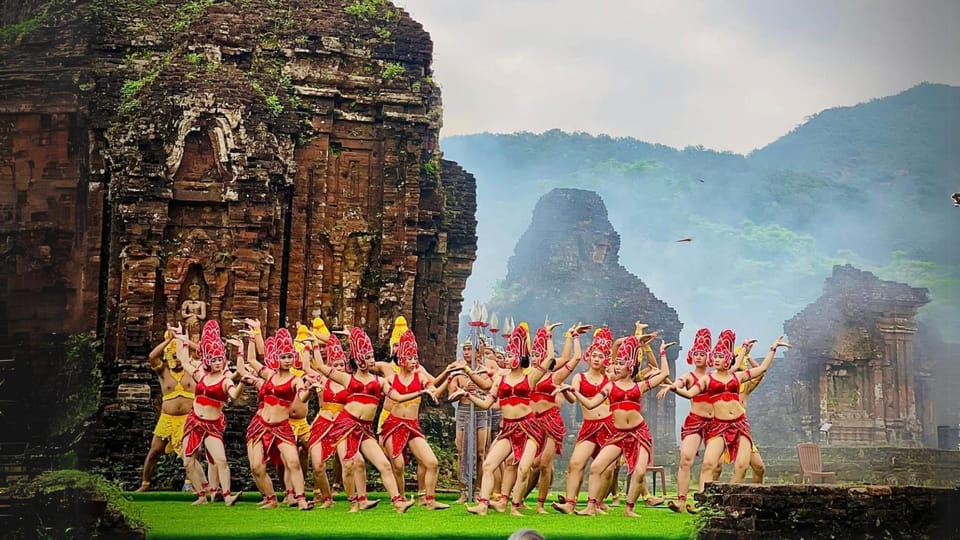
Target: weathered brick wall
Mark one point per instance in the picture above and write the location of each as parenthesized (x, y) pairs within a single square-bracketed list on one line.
[(748, 512), (852, 365), (566, 265), (283, 154)]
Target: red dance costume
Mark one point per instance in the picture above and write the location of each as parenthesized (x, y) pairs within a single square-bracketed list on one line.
[(696, 424), (272, 434), (400, 431), (730, 430), (346, 426), (518, 430), (550, 420), (630, 440), (599, 430), (332, 401), (196, 429)]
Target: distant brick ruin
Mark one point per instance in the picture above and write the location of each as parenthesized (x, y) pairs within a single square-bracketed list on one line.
[(566, 265), (854, 366), (195, 160)]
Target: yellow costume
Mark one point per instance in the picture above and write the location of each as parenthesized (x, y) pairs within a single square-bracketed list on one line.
[(301, 428), (170, 426)]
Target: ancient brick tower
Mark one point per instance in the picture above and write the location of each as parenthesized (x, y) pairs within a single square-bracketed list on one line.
[(253, 157), (567, 265)]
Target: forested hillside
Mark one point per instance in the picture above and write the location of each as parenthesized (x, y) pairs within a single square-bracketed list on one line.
[(868, 184)]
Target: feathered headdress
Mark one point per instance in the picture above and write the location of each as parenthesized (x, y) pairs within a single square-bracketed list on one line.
[(701, 343)]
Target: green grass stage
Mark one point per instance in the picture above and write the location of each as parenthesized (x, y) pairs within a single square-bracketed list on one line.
[(170, 515)]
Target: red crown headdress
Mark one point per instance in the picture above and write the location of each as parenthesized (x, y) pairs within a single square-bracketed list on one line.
[(211, 329), (628, 350), (210, 348), (602, 341), (539, 348), (407, 347), (335, 352), (270, 353), (360, 344), (701, 343), (725, 344), (284, 343), (519, 342)]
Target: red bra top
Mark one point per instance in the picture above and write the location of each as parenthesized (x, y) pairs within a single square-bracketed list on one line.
[(542, 391), (368, 394), (414, 386), (625, 400), (588, 389), (281, 395), (517, 394), (211, 395), (329, 396), (719, 391)]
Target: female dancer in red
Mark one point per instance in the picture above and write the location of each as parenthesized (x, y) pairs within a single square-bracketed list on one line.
[(333, 398), (352, 429), (697, 423), (521, 435), (205, 423), (597, 424), (270, 435), (632, 438), (545, 402), (402, 428), (729, 432)]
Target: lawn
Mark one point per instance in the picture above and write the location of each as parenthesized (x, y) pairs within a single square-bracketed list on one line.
[(169, 515)]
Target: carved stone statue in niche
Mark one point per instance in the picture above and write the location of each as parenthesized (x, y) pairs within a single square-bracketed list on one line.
[(193, 310)]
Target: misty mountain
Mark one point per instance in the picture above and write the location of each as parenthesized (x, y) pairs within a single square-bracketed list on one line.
[(867, 185)]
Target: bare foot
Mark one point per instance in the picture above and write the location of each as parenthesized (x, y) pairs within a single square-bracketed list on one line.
[(615, 501), (515, 511), (290, 500), (305, 505), (143, 488), (500, 505), (588, 511), (654, 501), (231, 499), (367, 504), (672, 505), (480, 509), (541, 509), (564, 508), (462, 498), (402, 507), (327, 503), (200, 500), (630, 513), (434, 505), (354, 508), (272, 503)]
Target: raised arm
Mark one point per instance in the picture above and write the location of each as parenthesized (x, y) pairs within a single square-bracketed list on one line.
[(664, 371), (767, 361), (339, 377), (695, 390)]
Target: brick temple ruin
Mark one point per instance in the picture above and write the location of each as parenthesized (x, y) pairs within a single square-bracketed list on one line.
[(278, 160), (856, 375), (567, 265)]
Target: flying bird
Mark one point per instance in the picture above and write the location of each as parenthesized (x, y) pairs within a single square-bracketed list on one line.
[(956, 198), (685, 239), (701, 180)]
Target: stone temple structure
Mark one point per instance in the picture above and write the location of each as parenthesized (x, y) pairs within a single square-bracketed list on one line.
[(566, 266), (187, 160), (852, 368)]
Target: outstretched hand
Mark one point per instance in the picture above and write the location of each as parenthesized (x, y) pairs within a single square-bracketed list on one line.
[(664, 390), (781, 343), (456, 395), (664, 346)]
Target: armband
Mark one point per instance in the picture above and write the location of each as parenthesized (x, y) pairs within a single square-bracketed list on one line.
[(256, 331)]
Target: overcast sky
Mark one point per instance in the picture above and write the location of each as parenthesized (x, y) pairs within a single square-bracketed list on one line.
[(730, 75)]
